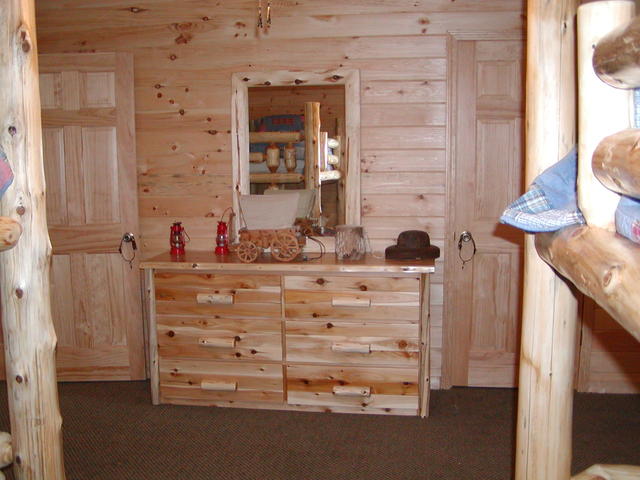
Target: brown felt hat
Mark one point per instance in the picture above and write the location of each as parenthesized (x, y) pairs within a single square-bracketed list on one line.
[(412, 245)]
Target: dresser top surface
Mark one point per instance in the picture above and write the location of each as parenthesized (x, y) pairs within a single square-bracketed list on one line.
[(207, 260)]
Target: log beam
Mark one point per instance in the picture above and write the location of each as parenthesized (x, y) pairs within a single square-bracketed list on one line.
[(275, 137), (29, 336), (10, 231), (616, 162), (611, 276), (616, 58), (276, 177), (6, 451), (609, 472), (549, 322)]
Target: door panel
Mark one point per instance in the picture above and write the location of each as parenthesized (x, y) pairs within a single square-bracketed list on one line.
[(483, 294), (609, 355), (90, 168)]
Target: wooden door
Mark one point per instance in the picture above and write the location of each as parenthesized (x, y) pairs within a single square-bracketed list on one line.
[(90, 170), (483, 299), (609, 359)]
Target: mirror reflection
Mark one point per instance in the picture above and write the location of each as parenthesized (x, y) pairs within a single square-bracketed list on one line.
[(296, 137)]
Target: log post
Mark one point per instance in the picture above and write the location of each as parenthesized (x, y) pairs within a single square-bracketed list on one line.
[(312, 153), (616, 162), (549, 323), (29, 336), (602, 110)]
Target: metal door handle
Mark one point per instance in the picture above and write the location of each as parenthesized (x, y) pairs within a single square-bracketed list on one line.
[(128, 238), (466, 237)]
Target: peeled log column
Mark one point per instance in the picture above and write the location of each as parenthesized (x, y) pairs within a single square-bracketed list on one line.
[(549, 319), (602, 110), (312, 153), (616, 162), (616, 59), (29, 337), (603, 265)]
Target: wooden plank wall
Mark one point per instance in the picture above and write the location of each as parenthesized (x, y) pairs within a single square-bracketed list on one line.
[(186, 50)]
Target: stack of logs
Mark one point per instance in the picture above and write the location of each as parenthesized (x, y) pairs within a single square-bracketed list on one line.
[(603, 265)]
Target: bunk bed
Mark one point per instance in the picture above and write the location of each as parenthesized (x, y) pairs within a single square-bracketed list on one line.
[(596, 260)]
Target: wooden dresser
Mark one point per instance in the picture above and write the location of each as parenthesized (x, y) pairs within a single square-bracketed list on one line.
[(318, 335)]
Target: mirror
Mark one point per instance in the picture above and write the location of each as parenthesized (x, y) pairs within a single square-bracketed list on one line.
[(299, 131)]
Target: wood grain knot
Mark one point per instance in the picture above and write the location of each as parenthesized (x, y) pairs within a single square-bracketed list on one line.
[(320, 281), (26, 44), (12, 130)]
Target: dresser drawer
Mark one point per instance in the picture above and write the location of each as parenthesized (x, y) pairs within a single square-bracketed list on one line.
[(195, 381), (347, 297), (217, 294), (367, 389), (353, 342), (219, 338)]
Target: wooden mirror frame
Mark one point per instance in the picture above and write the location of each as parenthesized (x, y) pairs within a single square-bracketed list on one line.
[(240, 127)]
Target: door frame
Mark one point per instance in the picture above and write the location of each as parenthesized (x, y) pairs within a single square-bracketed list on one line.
[(453, 39)]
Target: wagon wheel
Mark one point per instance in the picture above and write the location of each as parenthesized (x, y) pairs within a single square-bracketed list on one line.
[(285, 247), (247, 251)]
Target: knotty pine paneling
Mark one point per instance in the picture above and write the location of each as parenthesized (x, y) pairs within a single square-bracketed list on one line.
[(186, 50)]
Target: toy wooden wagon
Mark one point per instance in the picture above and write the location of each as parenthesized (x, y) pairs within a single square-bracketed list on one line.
[(269, 224)]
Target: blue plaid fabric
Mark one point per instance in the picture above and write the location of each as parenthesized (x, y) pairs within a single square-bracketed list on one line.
[(550, 203)]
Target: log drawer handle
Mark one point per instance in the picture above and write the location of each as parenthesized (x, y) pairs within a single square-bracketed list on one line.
[(218, 386), (214, 342), (351, 347), (351, 391), (351, 302), (215, 298)]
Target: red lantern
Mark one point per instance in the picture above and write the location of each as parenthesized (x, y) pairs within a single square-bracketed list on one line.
[(222, 235), (222, 239), (177, 239)]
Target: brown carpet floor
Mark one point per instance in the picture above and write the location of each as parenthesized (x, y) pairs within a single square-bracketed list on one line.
[(111, 431)]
